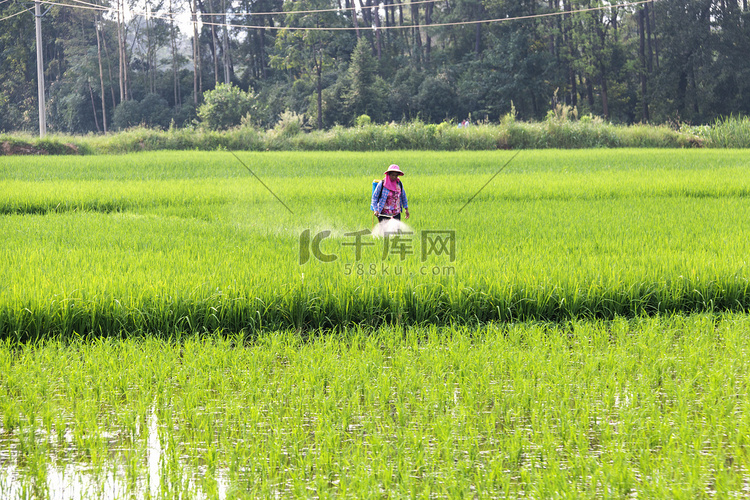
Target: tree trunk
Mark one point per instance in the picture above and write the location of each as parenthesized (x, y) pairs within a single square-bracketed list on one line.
[(93, 106), (605, 96), (263, 54), (656, 38), (173, 48), (589, 92), (109, 70), (696, 97), (319, 84), (365, 8), (403, 35), (573, 88), (355, 20), (125, 65), (417, 35), (477, 31), (642, 54), (649, 49), (150, 67), (428, 40), (378, 42), (225, 45), (570, 44), (406, 33), (120, 53), (390, 20), (551, 40), (214, 43), (196, 53), (101, 75), (680, 98)]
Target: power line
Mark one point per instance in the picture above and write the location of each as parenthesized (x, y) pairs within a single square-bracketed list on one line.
[(169, 16), (275, 13), (16, 14), (315, 11), (433, 25)]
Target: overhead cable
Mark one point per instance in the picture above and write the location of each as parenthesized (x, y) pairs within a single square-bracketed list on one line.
[(169, 16)]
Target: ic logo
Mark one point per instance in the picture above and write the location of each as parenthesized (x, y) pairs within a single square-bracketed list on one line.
[(305, 247)]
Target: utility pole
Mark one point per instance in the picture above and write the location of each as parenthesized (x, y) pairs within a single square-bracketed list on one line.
[(40, 69)]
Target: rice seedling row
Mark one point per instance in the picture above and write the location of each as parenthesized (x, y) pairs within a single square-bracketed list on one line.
[(649, 407)]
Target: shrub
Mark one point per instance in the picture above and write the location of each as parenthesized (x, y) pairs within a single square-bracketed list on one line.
[(127, 114), (155, 111), (289, 124), (225, 106), (587, 132), (363, 120)]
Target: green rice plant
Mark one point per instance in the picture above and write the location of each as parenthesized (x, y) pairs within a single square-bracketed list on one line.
[(181, 243), (643, 406)]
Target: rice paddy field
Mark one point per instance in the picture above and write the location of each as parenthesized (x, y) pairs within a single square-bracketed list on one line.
[(573, 325)]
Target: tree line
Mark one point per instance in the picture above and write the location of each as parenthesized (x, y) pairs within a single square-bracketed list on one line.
[(112, 64)]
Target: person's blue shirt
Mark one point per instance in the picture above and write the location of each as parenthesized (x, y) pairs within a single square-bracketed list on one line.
[(380, 195)]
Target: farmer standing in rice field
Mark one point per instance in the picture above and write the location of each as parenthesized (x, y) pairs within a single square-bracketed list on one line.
[(389, 196)]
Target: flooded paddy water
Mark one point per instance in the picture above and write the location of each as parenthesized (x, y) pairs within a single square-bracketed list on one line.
[(129, 470), (629, 408)]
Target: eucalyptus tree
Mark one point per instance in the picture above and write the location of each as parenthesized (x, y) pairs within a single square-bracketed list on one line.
[(75, 71), (704, 68), (731, 61), (307, 44), (685, 41), (515, 69), (18, 101), (255, 41), (595, 37)]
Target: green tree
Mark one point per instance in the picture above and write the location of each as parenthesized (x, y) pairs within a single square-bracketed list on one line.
[(303, 52), (127, 114), (516, 66), (596, 42), (226, 106), (18, 101), (731, 61), (703, 60), (436, 99), (365, 95), (685, 49)]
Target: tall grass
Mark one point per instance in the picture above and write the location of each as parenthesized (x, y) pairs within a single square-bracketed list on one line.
[(730, 132)]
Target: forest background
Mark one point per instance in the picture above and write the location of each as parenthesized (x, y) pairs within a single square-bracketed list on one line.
[(111, 65)]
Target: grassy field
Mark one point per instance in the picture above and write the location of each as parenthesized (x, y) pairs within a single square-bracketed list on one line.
[(172, 327), (159, 243)]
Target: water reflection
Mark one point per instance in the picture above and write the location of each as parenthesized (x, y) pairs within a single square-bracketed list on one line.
[(57, 479)]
